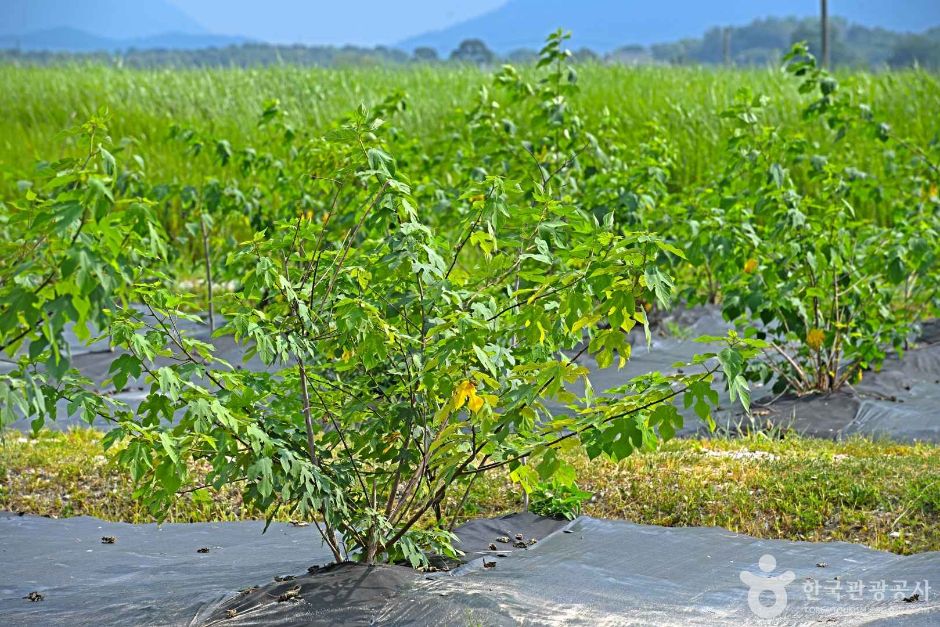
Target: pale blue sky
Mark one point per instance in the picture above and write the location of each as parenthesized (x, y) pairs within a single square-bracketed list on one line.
[(330, 21)]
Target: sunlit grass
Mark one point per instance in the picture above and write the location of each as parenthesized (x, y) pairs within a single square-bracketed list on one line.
[(225, 104), (881, 494)]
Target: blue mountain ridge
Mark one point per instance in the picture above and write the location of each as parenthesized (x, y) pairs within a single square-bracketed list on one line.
[(66, 39), (113, 19)]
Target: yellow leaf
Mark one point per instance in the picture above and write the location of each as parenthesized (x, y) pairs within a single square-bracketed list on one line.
[(462, 391), (475, 403), (750, 266)]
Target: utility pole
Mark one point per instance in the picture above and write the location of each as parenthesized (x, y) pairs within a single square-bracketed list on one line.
[(726, 45), (824, 27)]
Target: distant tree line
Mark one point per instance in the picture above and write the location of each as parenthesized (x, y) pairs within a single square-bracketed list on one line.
[(758, 43), (764, 41), (244, 55)]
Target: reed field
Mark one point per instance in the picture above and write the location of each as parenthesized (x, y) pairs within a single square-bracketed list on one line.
[(39, 102)]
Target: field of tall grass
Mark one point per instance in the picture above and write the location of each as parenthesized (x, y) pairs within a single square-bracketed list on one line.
[(145, 104)]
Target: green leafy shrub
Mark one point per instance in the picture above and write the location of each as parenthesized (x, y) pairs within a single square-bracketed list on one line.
[(409, 360), (809, 273), (777, 241), (71, 249), (558, 500)]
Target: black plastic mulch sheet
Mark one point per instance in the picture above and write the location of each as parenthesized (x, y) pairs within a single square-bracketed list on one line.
[(588, 572), (150, 575), (901, 401)]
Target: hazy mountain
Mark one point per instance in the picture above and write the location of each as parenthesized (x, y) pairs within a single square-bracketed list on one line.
[(325, 22), (603, 25), (115, 19), (73, 40), (101, 25)]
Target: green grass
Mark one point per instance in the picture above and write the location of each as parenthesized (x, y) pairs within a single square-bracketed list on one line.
[(225, 104), (880, 494)]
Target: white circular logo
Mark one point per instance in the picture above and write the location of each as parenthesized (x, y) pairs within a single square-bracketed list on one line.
[(776, 585)]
